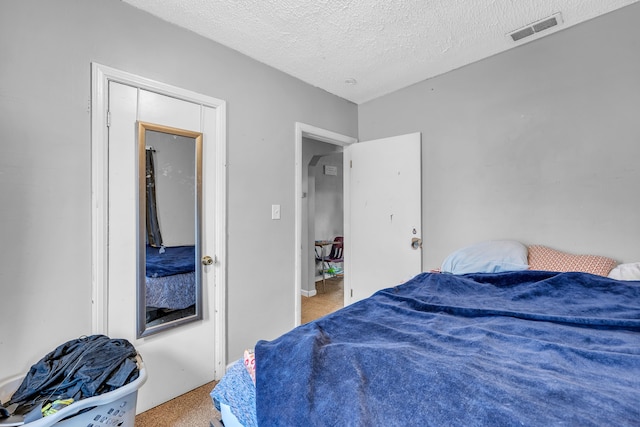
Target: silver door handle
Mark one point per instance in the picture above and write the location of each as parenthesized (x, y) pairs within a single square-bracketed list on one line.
[(207, 260), (416, 243)]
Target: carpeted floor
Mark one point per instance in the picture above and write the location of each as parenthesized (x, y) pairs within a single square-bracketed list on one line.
[(192, 409), (328, 299), (195, 408)]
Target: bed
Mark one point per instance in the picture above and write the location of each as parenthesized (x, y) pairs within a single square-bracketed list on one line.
[(515, 347), (170, 277)]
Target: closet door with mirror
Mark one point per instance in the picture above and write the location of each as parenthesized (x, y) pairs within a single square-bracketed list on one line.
[(161, 290)]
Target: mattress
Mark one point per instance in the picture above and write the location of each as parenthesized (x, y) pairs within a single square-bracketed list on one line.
[(175, 292), (170, 277)]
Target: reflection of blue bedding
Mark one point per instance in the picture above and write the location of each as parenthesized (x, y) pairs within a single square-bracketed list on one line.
[(174, 260), (522, 348), (175, 292)]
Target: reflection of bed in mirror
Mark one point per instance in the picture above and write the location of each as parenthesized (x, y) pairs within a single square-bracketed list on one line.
[(170, 283), (170, 173)]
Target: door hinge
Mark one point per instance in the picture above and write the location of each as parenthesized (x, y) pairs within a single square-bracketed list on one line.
[(108, 118), (351, 293), (351, 164)]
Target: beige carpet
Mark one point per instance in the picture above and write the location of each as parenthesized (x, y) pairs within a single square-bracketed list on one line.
[(192, 409), (195, 408), (328, 299)]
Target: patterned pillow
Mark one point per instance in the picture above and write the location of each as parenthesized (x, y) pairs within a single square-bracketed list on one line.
[(547, 259), (250, 364)]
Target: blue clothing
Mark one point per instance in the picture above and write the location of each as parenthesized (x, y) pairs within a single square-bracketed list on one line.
[(78, 369)]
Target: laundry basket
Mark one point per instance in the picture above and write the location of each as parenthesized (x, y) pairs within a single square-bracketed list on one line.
[(115, 408)]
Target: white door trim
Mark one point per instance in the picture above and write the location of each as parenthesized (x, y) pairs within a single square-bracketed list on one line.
[(303, 130), (101, 75)]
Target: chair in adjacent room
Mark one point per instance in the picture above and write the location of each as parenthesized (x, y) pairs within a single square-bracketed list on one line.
[(335, 256)]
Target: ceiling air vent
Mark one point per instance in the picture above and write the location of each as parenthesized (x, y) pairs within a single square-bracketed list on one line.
[(536, 27)]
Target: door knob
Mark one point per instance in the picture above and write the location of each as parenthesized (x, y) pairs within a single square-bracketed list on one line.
[(416, 243), (207, 260)]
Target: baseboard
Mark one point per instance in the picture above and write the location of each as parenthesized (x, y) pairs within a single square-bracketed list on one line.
[(306, 293), (327, 276)]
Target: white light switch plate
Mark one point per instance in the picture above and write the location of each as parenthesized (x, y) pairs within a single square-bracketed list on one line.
[(275, 211)]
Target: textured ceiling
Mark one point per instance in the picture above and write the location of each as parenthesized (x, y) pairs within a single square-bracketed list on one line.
[(384, 45)]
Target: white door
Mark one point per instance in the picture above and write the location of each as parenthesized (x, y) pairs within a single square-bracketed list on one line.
[(179, 359), (383, 206)]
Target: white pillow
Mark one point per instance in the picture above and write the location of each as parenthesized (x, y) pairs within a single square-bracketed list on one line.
[(492, 256), (629, 271)]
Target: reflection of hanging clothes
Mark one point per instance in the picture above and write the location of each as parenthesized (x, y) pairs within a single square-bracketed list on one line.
[(154, 237)]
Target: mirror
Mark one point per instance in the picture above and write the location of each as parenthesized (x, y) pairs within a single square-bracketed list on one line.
[(169, 285)]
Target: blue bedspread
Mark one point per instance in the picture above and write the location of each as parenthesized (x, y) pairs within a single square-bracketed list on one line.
[(237, 391), (526, 348), (170, 260)]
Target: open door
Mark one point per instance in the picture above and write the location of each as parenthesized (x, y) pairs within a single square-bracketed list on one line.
[(383, 208)]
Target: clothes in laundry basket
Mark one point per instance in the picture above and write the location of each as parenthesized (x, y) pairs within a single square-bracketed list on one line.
[(78, 369)]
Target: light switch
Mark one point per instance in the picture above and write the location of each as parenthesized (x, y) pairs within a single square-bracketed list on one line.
[(275, 211)]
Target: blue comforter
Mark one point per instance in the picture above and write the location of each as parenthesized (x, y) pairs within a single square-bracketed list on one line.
[(170, 260), (526, 348)]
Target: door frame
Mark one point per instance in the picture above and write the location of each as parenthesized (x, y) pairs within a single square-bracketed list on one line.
[(303, 130), (101, 76)]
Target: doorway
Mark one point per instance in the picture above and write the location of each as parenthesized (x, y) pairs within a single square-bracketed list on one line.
[(323, 218), (323, 209), (386, 171), (325, 142)]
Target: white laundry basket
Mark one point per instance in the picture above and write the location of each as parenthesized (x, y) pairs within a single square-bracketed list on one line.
[(116, 408)]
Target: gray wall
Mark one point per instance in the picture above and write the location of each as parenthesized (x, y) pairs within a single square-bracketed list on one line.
[(539, 144), (329, 199), (45, 165)]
